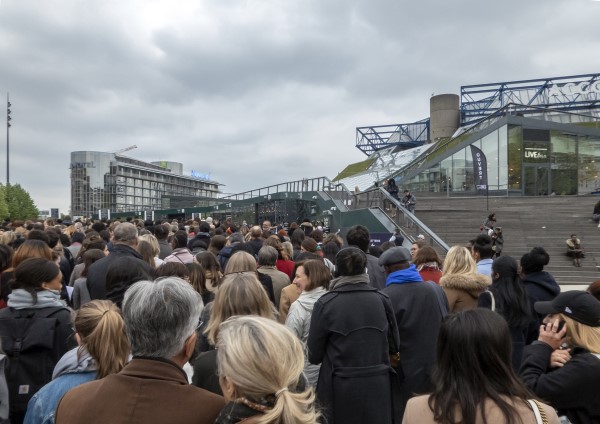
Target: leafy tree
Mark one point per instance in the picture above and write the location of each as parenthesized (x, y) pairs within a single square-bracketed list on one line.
[(19, 202), (3, 204)]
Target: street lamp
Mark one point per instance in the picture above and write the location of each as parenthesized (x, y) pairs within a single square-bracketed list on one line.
[(8, 119)]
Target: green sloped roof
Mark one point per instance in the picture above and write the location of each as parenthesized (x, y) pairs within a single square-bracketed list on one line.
[(355, 168)]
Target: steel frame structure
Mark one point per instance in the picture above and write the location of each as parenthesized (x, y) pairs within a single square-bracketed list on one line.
[(566, 94), (374, 138)]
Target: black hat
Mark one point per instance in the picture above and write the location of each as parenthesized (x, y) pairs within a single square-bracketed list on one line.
[(395, 255), (578, 305)]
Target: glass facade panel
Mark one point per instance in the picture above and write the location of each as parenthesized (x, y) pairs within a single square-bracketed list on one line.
[(525, 161), (563, 163), (515, 146), (589, 164), (503, 158)]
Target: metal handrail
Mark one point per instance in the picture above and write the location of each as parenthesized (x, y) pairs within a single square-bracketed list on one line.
[(380, 194), (305, 184)]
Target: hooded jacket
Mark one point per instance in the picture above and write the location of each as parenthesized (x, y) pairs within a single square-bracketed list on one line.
[(463, 290), (298, 320), (540, 287)]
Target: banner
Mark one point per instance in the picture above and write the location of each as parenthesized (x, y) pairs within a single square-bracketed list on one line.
[(479, 170)]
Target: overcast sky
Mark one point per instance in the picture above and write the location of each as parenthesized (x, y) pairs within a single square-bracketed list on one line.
[(255, 92)]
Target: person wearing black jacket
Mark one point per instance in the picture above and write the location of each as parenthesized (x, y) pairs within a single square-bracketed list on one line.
[(567, 378), (125, 239), (539, 285), (352, 334)]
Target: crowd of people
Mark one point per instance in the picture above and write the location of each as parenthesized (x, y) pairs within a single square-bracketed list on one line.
[(209, 322)]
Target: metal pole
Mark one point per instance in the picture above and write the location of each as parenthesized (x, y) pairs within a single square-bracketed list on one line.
[(8, 118)]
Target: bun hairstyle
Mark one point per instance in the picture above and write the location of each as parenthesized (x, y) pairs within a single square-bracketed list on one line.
[(102, 331), (264, 362), (32, 273)]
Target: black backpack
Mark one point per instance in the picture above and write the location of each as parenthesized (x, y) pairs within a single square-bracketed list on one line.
[(28, 341)]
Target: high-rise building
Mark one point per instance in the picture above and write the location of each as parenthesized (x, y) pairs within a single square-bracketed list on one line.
[(110, 181)]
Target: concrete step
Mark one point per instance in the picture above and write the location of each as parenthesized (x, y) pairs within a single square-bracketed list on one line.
[(456, 220)]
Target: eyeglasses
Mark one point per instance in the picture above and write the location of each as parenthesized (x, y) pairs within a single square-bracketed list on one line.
[(199, 326)]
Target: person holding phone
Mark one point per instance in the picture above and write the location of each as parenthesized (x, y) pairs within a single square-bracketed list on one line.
[(563, 365)]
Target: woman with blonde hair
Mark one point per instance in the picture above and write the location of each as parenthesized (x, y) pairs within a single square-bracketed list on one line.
[(239, 294), (461, 281), (242, 261), (260, 369), (563, 365), (103, 350)]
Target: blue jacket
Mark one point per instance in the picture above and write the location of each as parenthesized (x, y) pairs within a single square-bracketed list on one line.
[(70, 371)]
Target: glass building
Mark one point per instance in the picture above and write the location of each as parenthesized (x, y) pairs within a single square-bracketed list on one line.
[(109, 181), (539, 137), (526, 156)]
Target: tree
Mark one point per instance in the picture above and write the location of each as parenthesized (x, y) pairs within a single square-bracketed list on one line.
[(19, 202), (3, 204)]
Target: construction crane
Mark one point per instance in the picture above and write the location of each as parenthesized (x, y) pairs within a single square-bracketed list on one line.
[(126, 149)]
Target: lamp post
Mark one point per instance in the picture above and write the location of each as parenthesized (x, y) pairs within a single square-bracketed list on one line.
[(8, 119)]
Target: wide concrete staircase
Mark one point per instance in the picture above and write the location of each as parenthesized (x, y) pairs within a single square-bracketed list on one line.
[(526, 222)]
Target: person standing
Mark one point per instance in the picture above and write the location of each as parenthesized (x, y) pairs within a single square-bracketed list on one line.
[(412, 299), (125, 240), (35, 330), (312, 280), (359, 236), (409, 201), (352, 334), (473, 379), (160, 320)]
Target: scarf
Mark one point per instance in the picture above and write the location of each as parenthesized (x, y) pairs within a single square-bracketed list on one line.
[(348, 279), (74, 362), (429, 266), (22, 299), (408, 275)]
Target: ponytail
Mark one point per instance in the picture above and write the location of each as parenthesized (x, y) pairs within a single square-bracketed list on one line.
[(291, 408), (102, 330)]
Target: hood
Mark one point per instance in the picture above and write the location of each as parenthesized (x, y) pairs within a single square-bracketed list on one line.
[(471, 282), (543, 280), (408, 275), (69, 364), (308, 299), (226, 251)]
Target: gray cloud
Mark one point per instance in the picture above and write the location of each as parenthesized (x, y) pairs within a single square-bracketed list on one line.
[(256, 92)]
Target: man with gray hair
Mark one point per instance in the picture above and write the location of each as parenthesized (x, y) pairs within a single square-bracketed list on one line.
[(160, 321), (267, 258), (125, 240)]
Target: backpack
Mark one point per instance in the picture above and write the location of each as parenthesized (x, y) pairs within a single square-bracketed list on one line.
[(28, 338)]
